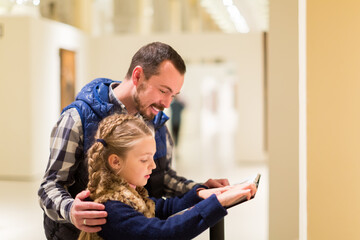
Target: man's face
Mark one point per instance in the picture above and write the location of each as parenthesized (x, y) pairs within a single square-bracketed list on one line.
[(156, 93)]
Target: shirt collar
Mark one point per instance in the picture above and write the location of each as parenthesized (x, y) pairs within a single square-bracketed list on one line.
[(119, 107)]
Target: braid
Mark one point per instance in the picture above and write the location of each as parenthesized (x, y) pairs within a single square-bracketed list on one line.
[(110, 123), (95, 162)]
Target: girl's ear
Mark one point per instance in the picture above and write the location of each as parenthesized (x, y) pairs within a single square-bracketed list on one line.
[(115, 162)]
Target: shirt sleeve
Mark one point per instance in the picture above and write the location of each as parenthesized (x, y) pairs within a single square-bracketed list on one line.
[(174, 185), (123, 222), (66, 148)]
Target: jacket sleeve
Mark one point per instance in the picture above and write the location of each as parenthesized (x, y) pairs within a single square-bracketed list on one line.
[(65, 151), (123, 222), (166, 207)]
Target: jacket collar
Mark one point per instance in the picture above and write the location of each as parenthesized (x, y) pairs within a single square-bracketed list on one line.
[(159, 120)]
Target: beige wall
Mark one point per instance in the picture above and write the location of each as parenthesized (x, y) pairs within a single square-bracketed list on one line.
[(15, 106), (29, 93), (332, 56), (333, 80), (283, 120)]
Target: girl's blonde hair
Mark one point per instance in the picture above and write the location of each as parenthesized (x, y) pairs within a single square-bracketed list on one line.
[(116, 134)]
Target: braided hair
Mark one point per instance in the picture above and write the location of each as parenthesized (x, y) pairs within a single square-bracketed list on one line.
[(120, 133)]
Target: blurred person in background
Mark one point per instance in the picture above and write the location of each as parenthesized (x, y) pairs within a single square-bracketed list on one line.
[(177, 106)]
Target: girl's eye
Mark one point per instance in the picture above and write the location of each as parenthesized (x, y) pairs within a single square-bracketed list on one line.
[(143, 160)]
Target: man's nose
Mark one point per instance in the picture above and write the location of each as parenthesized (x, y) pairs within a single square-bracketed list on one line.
[(166, 101)]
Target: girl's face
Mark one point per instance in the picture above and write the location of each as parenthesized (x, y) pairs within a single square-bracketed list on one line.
[(139, 162)]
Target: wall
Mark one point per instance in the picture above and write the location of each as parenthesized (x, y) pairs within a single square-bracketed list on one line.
[(30, 96), (333, 116), (333, 52), (283, 120)]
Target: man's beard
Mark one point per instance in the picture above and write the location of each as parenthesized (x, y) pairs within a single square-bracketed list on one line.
[(142, 108)]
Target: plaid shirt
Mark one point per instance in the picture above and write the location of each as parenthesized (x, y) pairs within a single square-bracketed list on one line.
[(66, 149)]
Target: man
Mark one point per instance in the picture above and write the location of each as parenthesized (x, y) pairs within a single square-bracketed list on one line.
[(155, 76)]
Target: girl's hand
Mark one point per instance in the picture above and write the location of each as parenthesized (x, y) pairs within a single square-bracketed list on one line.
[(205, 193), (233, 194)]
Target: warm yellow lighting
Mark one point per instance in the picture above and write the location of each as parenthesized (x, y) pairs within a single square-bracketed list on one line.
[(226, 15)]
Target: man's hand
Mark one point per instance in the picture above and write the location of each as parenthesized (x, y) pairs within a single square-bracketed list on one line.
[(87, 216), (216, 183)]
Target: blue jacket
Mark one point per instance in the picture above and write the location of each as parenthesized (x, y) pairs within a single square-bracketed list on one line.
[(123, 222)]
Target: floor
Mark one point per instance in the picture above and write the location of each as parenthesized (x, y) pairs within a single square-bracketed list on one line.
[(21, 216)]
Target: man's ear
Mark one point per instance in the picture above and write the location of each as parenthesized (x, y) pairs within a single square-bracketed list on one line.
[(115, 162), (136, 75)]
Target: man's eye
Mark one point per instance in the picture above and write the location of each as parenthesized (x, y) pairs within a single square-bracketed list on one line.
[(162, 91)]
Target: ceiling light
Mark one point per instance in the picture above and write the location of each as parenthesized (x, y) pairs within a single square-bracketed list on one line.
[(226, 15)]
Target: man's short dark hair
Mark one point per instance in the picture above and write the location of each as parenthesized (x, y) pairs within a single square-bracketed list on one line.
[(150, 56)]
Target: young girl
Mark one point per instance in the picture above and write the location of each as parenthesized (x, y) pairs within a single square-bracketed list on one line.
[(120, 163)]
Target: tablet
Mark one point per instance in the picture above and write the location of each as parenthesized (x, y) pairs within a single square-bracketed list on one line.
[(254, 179)]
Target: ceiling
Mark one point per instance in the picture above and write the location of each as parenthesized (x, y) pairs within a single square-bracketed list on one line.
[(252, 15), (147, 16)]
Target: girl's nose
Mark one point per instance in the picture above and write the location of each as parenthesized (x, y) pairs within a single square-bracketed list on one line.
[(152, 165)]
